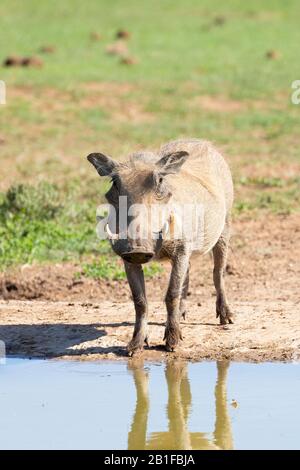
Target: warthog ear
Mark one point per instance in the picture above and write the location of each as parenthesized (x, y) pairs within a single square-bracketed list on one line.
[(171, 163), (103, 164)]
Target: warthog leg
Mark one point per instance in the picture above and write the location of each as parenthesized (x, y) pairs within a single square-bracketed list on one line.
[(136, 281), (184, 295), (180, 264), (220, 256)]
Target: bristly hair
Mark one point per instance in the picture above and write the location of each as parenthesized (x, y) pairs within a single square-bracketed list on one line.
[(144, 159), (137, 171)]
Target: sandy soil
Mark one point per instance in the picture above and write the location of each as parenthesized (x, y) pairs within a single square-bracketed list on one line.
[(47, 312)]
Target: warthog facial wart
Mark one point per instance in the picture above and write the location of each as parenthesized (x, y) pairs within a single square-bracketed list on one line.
[(167, 205), (2, 92), (2, 352)]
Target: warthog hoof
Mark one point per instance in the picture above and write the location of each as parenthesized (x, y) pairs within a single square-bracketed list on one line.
[(172, 336), (136, 345), (225, 314)]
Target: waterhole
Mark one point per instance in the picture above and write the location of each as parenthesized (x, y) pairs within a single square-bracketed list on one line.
[(135, 405)]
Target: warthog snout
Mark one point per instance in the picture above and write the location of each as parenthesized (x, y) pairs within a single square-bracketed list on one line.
[(137, 256)]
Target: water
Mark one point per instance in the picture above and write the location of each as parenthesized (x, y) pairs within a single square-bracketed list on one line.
[(69, 405)]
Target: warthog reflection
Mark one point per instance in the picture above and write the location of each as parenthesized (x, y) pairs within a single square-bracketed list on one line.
[(178, 410)]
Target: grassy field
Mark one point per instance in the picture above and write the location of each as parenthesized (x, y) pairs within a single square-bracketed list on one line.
[(216, 70)]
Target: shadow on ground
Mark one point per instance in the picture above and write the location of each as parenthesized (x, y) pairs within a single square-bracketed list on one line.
[(56, 340)]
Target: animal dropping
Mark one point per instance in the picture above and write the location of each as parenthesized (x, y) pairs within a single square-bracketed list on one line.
[(123, 34), (47, 49), (128, 60), (117, 48), (12, 61), (32, 62)]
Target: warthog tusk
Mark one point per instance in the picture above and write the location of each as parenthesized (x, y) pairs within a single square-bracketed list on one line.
[(111, 236), (165, 229)]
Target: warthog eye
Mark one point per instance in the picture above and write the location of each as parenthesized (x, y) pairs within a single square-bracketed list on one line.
[(161, 189)]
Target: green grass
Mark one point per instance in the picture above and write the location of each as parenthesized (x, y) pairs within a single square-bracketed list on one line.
[(264, 182), (84, 100), (42, 223), (112, 268), (183, 55), (272, 195), (174, 41)]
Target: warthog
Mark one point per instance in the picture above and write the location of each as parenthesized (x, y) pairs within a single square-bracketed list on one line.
[(184, 173)]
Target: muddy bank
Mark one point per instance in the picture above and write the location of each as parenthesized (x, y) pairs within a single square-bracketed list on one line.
[(92, 331)]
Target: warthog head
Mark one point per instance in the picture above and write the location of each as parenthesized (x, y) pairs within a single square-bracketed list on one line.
[(139, 195)]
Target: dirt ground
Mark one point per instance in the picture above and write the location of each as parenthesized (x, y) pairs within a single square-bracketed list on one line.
[(46, 311)]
